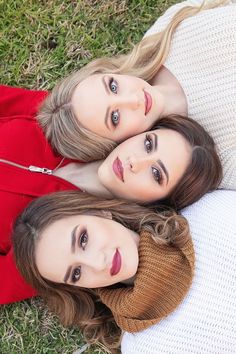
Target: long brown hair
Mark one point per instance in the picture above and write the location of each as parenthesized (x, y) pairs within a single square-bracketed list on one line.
[(74, 305), (204, 172), (56, 116)]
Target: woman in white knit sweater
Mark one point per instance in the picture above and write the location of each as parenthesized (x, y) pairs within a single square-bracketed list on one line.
[(205, 323), (186, 64)]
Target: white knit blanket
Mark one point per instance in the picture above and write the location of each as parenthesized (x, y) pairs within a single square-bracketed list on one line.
[(206, 320)]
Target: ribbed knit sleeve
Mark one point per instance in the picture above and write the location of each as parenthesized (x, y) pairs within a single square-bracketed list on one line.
[(202, 58), (205, 322)]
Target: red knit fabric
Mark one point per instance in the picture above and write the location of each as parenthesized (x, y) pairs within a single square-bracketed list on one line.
[(21, 141)]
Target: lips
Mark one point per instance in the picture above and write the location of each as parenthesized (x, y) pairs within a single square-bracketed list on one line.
[(118, 169), (116, 263), (148, 102)]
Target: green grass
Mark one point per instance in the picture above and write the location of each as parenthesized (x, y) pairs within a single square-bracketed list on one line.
[(40, 42)]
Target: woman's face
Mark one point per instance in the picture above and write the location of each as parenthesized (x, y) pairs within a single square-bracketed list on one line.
[(146, 167), (116, 106), (87, 251)]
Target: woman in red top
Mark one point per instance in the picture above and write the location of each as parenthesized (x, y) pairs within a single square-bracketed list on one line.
[(22, 141)]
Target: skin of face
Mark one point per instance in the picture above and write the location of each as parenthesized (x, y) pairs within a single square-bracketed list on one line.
[(146, 167), (81, 250), (117, 106)]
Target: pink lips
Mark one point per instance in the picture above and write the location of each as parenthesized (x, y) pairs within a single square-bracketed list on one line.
[(116, 263), (118, 169), (148, 102)]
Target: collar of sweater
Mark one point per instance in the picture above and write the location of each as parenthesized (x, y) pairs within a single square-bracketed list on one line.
[(163, 278)]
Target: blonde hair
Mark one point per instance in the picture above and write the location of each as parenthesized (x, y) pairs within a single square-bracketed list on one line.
[(80, 306), (56, 116)]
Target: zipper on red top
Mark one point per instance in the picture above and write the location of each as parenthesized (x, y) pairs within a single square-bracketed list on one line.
[(32, 168)]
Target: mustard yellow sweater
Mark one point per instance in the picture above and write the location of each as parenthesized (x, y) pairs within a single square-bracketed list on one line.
[(163, 278)]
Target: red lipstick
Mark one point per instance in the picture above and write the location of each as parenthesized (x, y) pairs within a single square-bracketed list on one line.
[(116, 263), (148, 102), (118, 169)]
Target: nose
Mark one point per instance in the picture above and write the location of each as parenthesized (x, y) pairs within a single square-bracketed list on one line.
[(130, 100), (140, 163)]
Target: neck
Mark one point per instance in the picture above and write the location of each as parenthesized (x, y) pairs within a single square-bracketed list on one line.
[(173, 96), (89, 180), (85, 177)]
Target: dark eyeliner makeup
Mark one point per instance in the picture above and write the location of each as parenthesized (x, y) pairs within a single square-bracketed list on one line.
[(157, 175), (148, 143), (113, 85), (76, 274), (115, 118), (83, 239)]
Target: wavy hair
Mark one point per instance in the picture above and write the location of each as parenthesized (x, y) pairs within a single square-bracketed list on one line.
[(56, 116), (79, 306), (204, 172)]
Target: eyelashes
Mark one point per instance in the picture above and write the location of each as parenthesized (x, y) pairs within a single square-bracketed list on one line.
[(113, 85), (115, 115), (148, 143), (83, 239), (157, 175), (82, 242), (156, 172), (76, 274)]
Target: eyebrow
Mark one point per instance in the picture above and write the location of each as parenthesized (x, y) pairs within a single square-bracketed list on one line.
[(73, 241), (107, 111), (164, 169), (155, 141), (159, 161)]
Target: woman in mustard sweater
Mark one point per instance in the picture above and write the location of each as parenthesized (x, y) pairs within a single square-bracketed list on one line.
[(104, 265)]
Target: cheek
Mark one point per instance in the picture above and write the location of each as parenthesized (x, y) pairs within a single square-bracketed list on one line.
[(134, 124)]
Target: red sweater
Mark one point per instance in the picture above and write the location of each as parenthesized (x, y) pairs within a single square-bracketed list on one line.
[(23, 142)]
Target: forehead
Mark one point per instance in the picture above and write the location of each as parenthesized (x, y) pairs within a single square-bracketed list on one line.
[(86, 87), (166, 138), (169, 136), (54, 246), (89, 103)]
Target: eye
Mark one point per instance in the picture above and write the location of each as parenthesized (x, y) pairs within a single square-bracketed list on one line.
[(83, 239), (148, 144), (157, 175), (115, 117), (113, 85), (76, 274)]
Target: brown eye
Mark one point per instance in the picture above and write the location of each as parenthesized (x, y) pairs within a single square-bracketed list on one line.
[(76, 274), (148, 143), (157, 175), (83, 239)]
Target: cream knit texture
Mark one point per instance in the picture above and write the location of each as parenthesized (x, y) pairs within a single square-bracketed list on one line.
[(205, 322), (202, 57)]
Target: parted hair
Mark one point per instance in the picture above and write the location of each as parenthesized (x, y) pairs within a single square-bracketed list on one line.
[(80, 306), (204, 171), (56, 116)]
